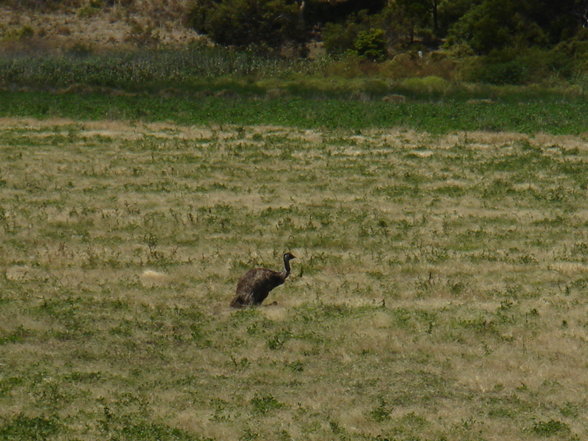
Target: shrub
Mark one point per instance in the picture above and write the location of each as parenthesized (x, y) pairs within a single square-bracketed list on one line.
[(524, 66), (503, 72), (570, 57), (371, 44), (407, 65), (427, 85), (361, 34), (339, 38), (247, 22), (500, 67), (495, 24)]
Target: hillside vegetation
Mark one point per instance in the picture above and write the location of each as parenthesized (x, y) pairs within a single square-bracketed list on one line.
[(500, 42)]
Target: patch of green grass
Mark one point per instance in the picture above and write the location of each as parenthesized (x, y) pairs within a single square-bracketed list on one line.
[(22, 427), (546, 115), (550, 428), (264, 404)]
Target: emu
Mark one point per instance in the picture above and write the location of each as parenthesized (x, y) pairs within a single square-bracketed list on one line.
[(255, 285)]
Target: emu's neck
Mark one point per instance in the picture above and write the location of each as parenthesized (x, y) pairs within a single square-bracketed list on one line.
[(286, 271)]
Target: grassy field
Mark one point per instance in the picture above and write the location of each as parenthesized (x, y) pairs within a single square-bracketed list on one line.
[(439, 291)]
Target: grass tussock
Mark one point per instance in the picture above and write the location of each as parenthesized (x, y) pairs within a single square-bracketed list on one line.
[(438, 294)]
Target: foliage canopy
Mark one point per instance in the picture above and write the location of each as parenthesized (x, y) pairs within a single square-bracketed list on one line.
[(247, 22), (483, 25)]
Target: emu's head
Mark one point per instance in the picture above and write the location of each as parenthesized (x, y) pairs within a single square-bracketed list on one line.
[(289, 256)]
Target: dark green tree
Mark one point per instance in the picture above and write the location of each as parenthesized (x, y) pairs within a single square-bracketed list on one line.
[(371, 44), (410, 15), (318, 12), (450, 11), (497, 24), (340, 37), (248, 22), (560, 19)]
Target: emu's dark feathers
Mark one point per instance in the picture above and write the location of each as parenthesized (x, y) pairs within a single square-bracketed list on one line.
[(255, 285)]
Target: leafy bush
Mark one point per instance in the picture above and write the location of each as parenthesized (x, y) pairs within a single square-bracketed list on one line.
[(496, 24), (371, 44), (502, 72), (361, 34), (340, 37), (247, 22), (530, 65), (571, 56)]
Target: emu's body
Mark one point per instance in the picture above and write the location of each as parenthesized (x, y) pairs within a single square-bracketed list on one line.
[(255, 285)]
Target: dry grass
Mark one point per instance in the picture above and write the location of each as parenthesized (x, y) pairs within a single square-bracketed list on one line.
[(438, 294), (136, 23)]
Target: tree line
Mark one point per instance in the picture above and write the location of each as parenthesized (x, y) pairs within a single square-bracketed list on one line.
[(474, 26)]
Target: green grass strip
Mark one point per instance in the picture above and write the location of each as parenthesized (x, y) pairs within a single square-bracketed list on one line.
[(549, 115)]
